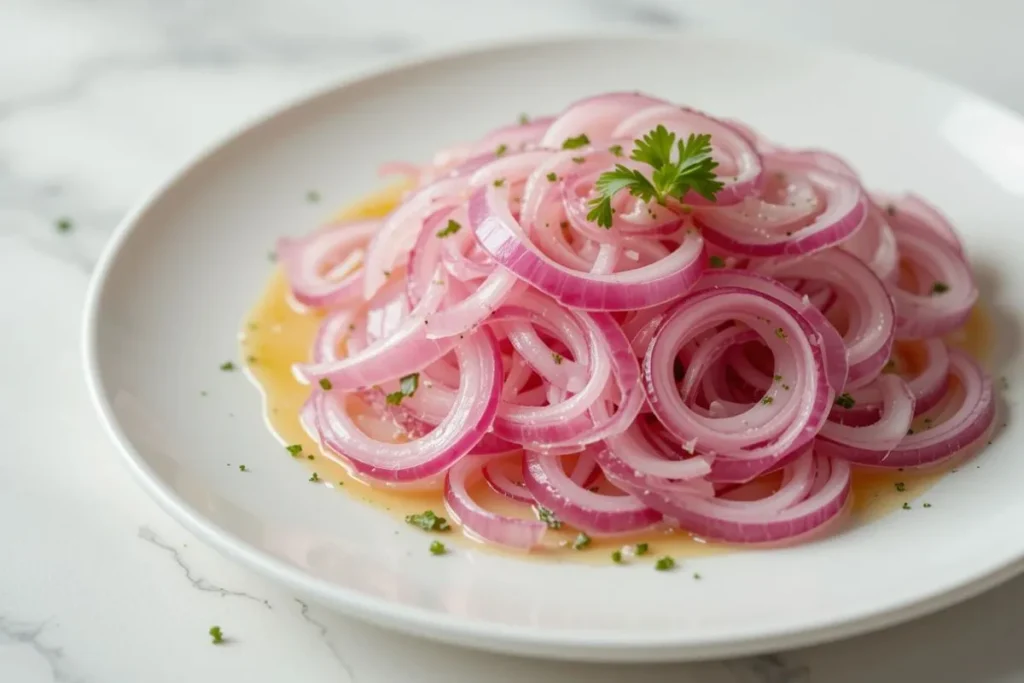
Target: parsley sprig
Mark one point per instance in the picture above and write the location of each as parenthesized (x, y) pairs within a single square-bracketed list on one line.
[(694, 170)]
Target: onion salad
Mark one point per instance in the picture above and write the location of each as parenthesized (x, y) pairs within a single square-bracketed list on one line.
[(635, 315)]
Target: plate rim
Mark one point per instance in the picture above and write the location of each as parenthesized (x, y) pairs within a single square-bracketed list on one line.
[(611, 646)]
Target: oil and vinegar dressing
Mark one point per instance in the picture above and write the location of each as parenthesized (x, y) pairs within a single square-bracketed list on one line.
[(277, 334)]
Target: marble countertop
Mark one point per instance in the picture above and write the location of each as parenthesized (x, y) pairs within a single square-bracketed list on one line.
[(101, 98)]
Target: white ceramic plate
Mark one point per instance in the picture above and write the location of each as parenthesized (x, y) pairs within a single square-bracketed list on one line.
[(186, 266)]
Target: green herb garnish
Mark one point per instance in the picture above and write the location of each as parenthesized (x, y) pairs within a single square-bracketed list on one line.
[(428, 521), (547, 516), (314, 478), (767, 400), (524, 119), (227, 366), (616, 150), (216, 635), (64, 225), (696, 576), (294, 449), (502, 148), (580, 140), (664, 564), (694, 170), (780, 333), (450, 229), (927, 505), (900, 486), (581, 542), (640, 549), (717, 262), (312, 196), (407, 386), (437, 548), (617, 556), (906, 506), (552, 176), (578, 160), (844, 400), (557, 357), (242, 468), (499, 182), (940, 288), (325, 384)]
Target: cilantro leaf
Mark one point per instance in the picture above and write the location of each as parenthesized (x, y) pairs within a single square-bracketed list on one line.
[(407, 386), (450, 229), (580, 140), (693, 171), (655, 148), (428, 521)]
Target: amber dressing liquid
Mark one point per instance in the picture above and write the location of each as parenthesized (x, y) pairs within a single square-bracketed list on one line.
[(277, 335)]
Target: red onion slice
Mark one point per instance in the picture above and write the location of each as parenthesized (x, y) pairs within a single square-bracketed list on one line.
[(599, 514), (747, 228), (483, 524), (503, 238), (469, 420)]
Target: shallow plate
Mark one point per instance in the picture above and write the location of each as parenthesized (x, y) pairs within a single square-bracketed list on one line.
[(167, 302)]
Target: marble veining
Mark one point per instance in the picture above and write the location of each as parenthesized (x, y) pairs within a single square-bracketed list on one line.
[(198, 582), (99, 100)]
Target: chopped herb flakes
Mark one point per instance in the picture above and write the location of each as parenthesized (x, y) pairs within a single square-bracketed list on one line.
[(777, 378), (312, 196), (940, 288), (216, 635), (547, 516), (575, 143), (664, 564), (767, 400), (227, 366), (578, 160), (524, 119), (844, 400), (557, 357), (900, 486), (499, 182), (251, 359), (640, 549), (502, 148), (242, 468), (717, 262), (781, 333), (407, 387), (310, 456), (64, 225), (617, 556), (437, 548), (204, 393), (926, 505), (581, 542), (314, 478), (906, 506), (552, 176), (428, 521), (616, 150), (325, 384), (450, 229), (294, 449)]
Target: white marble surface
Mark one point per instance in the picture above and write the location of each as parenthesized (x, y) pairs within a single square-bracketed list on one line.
[(98, 100)]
